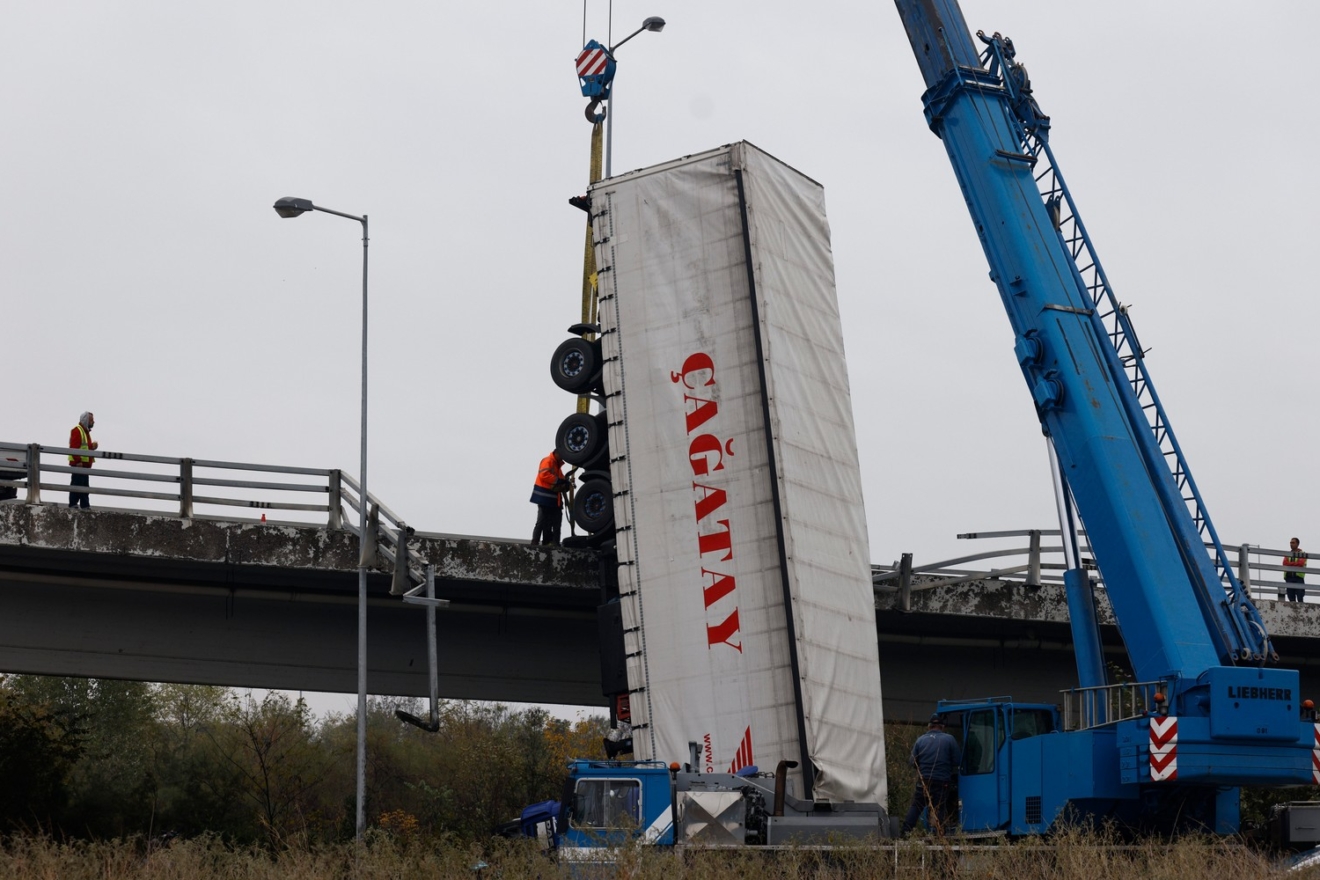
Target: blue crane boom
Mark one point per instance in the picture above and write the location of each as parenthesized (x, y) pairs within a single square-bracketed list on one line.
[(1189, 627)]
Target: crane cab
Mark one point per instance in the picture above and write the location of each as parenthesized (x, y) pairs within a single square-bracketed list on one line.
[(988, 731)]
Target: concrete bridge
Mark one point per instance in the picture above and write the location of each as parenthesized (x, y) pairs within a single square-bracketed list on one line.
[(159, 597), (118, 594)]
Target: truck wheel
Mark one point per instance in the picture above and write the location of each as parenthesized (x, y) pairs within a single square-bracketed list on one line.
[(580, 438), (593, 506), (574, 364)]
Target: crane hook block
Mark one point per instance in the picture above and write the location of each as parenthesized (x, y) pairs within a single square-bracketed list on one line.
[(595, 70)]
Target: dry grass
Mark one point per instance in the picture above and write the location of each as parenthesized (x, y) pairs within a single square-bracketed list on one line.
[(1079, 856)]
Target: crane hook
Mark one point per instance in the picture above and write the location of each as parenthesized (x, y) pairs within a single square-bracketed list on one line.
[(592, 116)]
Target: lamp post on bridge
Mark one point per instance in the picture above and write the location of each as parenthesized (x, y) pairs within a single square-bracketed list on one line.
[(293, 207), (655, 24)]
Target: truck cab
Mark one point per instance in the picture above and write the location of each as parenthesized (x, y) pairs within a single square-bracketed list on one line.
[(608, 803)]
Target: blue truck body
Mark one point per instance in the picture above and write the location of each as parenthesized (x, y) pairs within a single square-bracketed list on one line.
[(606, 804)]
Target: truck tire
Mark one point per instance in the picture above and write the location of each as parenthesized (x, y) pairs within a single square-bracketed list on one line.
[(593, 506), (575, 363), (580, 438)]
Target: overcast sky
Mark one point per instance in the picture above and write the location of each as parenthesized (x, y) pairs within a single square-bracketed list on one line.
[(146, 277)]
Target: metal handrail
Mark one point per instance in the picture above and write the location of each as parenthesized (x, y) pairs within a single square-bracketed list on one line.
[(1253, 574), (1084, 708), (24, 475), (26, 467), (22, 468)]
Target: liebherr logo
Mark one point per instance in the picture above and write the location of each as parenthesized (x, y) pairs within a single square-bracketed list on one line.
[(706, 454)]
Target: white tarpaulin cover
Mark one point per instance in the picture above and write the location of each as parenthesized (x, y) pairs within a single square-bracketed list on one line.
[(735, 473)]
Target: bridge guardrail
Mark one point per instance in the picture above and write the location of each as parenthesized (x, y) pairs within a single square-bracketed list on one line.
[(22, 468), (1036, 564), (169, 486)]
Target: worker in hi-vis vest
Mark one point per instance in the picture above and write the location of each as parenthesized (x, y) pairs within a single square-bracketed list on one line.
[(1296, 580), (81, 438), (550, 483)]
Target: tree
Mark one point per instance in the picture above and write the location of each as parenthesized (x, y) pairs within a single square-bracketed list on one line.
[(112, 784), (38, 750), (198, 789), (273, 749)]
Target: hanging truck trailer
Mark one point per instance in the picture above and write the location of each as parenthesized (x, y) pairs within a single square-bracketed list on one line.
[(746, 617)]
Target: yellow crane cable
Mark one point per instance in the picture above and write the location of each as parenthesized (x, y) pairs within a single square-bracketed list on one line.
[(590, 303)]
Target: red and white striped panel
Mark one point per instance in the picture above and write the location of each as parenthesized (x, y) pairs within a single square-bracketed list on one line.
[(744, 756), (1315, 757), (591, 62), (1163, 749)]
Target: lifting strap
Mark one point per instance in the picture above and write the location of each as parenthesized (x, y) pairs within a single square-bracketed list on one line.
[(590, 305)]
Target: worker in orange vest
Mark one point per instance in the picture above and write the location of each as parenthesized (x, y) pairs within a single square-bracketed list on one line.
[(1296, 580), (81, 438), (550, 483)]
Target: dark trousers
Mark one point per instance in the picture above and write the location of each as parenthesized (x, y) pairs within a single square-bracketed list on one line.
[(79, 499), (932, 795), (1296, 590), (548, 519)]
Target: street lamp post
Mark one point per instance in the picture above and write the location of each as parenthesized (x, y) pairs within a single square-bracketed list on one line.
[(292, 207), (653, 23)]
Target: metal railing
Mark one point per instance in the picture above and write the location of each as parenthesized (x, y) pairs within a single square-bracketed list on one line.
[(1040, 563), (187, 488), (1084, 708)]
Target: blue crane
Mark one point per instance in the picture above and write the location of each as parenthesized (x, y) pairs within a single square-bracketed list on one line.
[(1208, 713)]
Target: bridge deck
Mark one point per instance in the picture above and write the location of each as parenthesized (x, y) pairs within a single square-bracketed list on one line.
[(122, 594), (126, 594)]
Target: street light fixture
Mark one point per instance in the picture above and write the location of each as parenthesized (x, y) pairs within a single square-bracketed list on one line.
[(655, 24), (293, 207)]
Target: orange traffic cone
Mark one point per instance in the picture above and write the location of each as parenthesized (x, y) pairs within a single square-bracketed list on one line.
[(263, 518)]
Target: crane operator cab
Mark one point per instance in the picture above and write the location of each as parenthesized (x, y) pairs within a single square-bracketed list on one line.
[(987, 731)]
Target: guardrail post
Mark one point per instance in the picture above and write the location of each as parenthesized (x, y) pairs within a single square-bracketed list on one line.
[(336, 512), (402, 580), (34, 473), (369, 543), (1033, 559), (1244, 567), (905, 583), (185, 488)]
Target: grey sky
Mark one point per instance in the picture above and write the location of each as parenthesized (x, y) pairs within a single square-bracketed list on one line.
[(146, 277)]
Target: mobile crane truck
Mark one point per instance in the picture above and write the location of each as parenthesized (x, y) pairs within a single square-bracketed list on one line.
[(1208, 712)]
